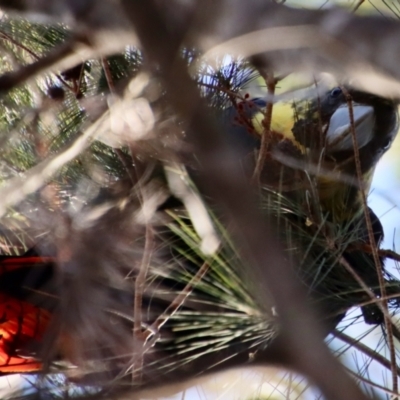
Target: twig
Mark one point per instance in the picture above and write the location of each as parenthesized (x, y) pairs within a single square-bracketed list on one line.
[(389, 254), (140, 281), (232, 94), (29, 51), (367, 290), (367, 248), (377, 261), (12, 79), (266, 136), (179, 300), (354, 343), (153, 331), (373, 384), (107, 73), (18, 188), (358, 5), (5, 36)]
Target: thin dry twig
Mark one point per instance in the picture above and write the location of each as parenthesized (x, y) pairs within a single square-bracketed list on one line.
[(363, 285), (12, 79), (377, 261), (384, 253), (358, 5), (355, 343), (178, 302), (108, 75), (7, 37), (18, 188), (30, 52), (140, 284), (393, 255), (266, 136), (373, 384)]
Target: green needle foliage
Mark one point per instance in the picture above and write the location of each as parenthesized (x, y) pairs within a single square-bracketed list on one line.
[(221, 312)]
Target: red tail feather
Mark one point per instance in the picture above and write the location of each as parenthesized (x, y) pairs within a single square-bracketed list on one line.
[(22, 324), (13, 263)]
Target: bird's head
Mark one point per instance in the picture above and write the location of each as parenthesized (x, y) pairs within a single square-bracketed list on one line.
[(317, 134)]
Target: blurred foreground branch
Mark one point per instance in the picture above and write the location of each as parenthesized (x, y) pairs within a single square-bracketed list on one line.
[(353, 47)]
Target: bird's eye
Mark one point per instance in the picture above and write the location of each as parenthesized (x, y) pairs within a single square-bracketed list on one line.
[(336, 92), (387, 144)]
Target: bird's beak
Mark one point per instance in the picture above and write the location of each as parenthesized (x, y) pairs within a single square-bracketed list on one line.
[(339, 136)]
